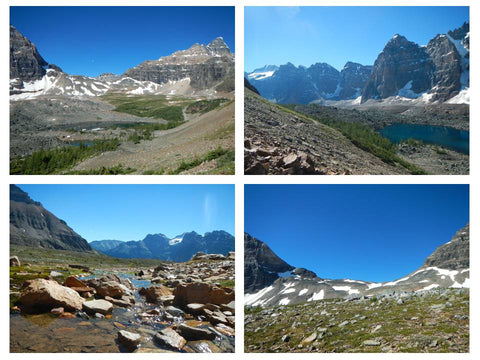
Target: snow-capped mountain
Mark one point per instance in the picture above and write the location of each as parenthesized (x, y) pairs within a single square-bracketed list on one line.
[(197, 70), (448, 266), (404, 72), (179, 248)]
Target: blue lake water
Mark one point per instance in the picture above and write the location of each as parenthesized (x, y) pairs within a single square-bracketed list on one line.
[(454, 139)]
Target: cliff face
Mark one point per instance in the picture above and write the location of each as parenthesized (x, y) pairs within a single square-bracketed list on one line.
[(204, 65), (26, 64), (402, 68), (453, 255), (32, 225)]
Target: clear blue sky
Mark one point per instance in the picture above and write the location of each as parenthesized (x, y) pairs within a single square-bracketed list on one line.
[(335, 35), (363, 232), (130, 212), (93, 40)]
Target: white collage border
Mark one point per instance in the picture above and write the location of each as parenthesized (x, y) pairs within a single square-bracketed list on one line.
[(239, 179)]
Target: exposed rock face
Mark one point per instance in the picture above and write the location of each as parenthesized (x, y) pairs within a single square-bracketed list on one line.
[(401, 65), (261, 265), (249, 86), (41, 294), (204, 65), (447, 267), (448, 67), (180, 248), (32, 225), (26, 63), (353, 78), (453, 255)]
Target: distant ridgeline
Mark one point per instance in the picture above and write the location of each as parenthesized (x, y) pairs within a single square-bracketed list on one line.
[(159, 246), (271, 281), (403, 71)]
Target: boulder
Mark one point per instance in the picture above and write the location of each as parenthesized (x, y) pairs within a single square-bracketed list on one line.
[(195, 333), (41, 294), (153, 294), (202, 293), (14, 261), (98, 306), (170, 338), (119, 302), (108, 288), (129, 340), (174, 311)]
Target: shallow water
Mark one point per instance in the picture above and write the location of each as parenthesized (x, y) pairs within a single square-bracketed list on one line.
[(48, 333), (454, 139)]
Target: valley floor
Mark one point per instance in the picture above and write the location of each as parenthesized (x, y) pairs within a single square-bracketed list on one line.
[(301, 139), (429, 321), (119, 134)]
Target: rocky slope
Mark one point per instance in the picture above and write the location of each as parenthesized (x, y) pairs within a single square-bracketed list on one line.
[(159, 246), (403, 72), (197, 70), (32, 225), (447, 267), (281, 142), (432, 321)]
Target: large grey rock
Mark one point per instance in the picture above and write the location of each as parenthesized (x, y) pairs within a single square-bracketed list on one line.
[(170, 338), (195, 333), (129, 340), (98, 306)]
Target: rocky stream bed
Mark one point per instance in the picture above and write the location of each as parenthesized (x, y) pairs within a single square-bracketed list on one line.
[(174, 307)]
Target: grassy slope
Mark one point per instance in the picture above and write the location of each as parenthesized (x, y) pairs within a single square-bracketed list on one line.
[(409, 327)]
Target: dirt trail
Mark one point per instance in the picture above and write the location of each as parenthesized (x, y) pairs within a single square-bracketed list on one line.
[(192, 139)]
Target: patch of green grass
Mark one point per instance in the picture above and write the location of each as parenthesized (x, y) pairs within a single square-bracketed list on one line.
[(115, 170), (204, 106), (157, 107), (211, 155), (225, 164), (154, 172), (438, 150), (52, 161), (223, 132), (228, 283)]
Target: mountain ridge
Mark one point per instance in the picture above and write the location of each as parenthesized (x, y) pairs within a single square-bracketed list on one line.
[(403, 70), (199, 69), (179, 248), (33, 225), (447, 266)]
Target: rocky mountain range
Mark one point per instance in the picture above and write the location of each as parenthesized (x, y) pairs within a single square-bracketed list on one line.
[(447, 267), (201, 70), (32, 225), (159, 246), (403, 71)]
